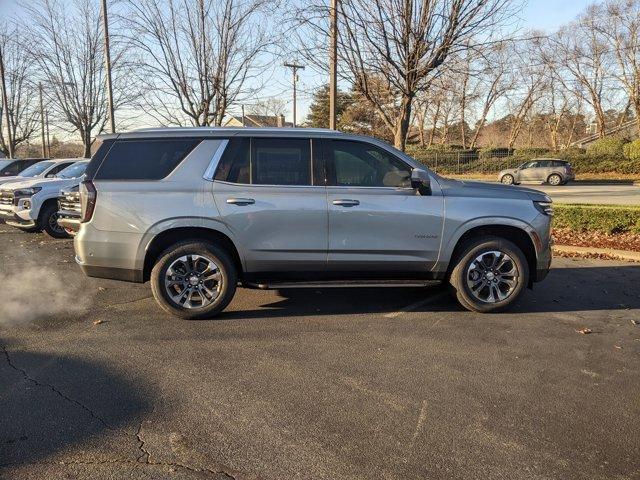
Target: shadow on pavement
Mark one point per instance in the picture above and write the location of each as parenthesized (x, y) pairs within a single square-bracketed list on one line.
[(49, 403), (564, 290)]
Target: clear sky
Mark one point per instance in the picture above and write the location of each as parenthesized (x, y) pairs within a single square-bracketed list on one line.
[(544, 15)]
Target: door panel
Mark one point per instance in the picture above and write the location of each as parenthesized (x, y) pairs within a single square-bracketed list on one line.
[(388, 230), (278, 228)]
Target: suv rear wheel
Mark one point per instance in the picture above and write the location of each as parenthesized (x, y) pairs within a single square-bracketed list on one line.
[(554, 179), (194, 280), (48, 221), (489, 275)]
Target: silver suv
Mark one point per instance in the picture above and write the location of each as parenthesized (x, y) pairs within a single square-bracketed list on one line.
[(542, 170), (199, 211)]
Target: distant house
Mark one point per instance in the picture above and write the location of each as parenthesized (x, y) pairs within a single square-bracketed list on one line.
[(257, 121)]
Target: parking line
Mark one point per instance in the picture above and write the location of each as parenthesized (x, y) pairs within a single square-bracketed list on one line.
[(417, 305)]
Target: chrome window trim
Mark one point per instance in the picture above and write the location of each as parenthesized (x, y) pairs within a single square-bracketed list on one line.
[(213, 164)]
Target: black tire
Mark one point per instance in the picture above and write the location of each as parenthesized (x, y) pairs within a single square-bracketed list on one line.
[(508, 179), (211, 252), (554, 179), (48, 221), (461, 273)]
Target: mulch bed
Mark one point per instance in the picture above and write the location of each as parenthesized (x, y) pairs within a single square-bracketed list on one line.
[(622, 241)]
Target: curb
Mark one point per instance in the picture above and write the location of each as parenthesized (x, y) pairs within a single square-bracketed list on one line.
[(611, 252)]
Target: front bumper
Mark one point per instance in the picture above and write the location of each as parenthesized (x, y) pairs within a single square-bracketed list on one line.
[(15, 220)]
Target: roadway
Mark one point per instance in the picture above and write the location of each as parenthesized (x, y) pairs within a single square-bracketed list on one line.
[(613, 194)]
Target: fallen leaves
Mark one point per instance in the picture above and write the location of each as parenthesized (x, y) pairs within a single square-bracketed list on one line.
[(585, 331), (98, 322), (620, 241)]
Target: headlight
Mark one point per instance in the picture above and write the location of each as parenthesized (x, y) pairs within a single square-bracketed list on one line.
[(26, 192), (545, 208)]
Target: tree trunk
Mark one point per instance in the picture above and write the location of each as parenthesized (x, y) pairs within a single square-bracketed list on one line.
[(434, 124), (86, 141), (402, 123)]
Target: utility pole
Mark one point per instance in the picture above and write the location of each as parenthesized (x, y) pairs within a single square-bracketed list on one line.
[(294, 68), (44, 145), (107, 62), (243, 124), (333, 63), (5, 104), (46, 121)]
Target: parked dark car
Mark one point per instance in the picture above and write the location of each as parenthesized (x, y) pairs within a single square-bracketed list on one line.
[(11, 167)]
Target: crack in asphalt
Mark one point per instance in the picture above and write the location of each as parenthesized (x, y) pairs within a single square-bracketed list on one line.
[(28, 377)]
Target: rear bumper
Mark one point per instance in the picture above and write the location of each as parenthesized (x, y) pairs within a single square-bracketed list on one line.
[(112, 273)]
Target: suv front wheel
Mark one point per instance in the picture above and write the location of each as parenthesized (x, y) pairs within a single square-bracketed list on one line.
[(194, 280), (490, 275)]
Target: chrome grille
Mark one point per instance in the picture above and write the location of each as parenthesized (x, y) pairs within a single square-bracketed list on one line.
[(6, 197), (69, 205)]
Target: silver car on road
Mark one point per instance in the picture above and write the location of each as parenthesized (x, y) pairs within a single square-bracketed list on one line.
[(199, 211), (542, 170)]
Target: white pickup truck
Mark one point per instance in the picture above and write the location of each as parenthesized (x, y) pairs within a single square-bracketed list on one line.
[(32, 204)]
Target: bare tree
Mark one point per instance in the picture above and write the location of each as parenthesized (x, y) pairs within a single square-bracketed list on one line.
[(270, 107), (406, 41), (494, 83), (587, 59), (21, 91), (67, 46), (197, 56), (619, 25), (529, 77)]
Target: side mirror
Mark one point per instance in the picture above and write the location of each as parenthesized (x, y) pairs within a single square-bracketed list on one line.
[(420, 181)]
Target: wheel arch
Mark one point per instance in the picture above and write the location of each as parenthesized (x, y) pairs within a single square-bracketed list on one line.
[(513, 233), (164, 239)]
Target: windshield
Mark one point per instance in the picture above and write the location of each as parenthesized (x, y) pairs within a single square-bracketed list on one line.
[(35, 169), (73, 171)]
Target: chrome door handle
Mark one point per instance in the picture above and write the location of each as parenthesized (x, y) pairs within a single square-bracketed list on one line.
[(346, 202), (240, 201)]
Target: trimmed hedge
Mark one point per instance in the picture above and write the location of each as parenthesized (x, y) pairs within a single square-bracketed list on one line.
[(609, 219), (632, 150), (612, 147)]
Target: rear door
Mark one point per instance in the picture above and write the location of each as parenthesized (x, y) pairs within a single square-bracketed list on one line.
[(273, 200), (377, 222)]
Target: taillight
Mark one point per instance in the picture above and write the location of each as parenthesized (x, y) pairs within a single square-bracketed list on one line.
[(88, 195)]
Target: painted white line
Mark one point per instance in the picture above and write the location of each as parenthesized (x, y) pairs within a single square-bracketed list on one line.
[(421, 418), (416, 305)]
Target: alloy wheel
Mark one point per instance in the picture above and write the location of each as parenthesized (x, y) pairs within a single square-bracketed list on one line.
[(492, 276), (193, 281)]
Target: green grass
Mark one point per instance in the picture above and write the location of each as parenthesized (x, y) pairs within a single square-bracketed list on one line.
[(609, 219)]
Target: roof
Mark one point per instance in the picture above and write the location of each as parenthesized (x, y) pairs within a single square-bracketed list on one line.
[(223, 132)]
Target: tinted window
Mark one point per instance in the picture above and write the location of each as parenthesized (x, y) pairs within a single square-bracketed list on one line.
[(234, 164), (12, 167), (144, 159), (58, 168), (277, 161), (359, 164), (35, 169), (73, 171), (266, 161)]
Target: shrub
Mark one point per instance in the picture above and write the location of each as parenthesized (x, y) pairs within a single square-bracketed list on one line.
[(612, 147), (495, 152), (632, 150), (609, 219), (532, 152)]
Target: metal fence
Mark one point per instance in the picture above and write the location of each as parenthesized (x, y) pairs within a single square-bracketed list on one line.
[(466, 162)]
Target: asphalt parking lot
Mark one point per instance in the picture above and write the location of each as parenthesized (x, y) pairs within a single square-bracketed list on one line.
[(97, 382)]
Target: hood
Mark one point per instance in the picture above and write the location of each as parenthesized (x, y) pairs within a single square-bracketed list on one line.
[(4, 180), (463, 188), (48, 183)]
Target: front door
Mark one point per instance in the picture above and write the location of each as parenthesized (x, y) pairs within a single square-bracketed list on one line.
[(530, 172), (377, 222), (265, 191)]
